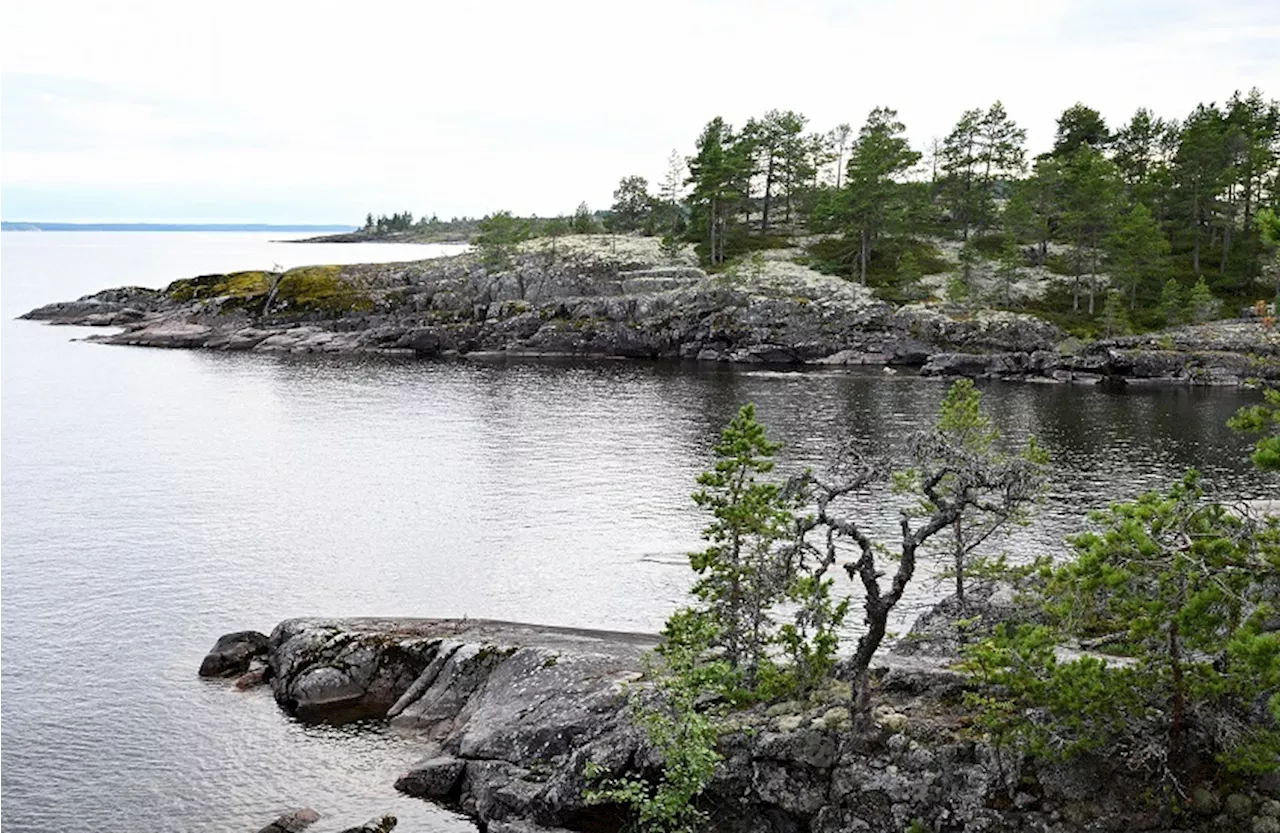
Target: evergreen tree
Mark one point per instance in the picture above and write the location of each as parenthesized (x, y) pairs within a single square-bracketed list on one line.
[(1080, 126), (1090, 193), (743, 573), (583, 221), (499, 235), (961, 165), (1137, 153), (715, 176), (1201, 305), (1114, 320), (964, 466), (869, 199), (1200, 171), (1136, 247), (1252, 139), (1000, 153), (1043, 193), (1008, 261), (1179, 591), (632, 204), (1267, 223), (775, 144), (1170, 307)]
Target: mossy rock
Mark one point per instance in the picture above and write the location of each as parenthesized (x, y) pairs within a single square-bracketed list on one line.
[(307, 289), (236, 285), (320, 289)]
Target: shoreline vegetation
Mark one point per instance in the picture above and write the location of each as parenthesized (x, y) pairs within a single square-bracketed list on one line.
[(1133, 685), (1117, 229)]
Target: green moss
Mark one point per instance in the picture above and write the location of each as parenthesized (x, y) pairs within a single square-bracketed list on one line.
[(307, 289), (320, 289)]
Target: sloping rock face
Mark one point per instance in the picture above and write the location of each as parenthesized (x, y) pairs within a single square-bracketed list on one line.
[(604, 296), (509, 715)]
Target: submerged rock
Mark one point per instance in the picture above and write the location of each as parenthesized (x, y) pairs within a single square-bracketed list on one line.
[(294, 822), (233, 653), (382, 824)]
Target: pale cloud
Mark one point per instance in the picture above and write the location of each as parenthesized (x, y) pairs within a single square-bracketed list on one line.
[(132, 107)]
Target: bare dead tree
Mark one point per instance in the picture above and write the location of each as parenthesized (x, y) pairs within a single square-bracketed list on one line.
[(956, 482)]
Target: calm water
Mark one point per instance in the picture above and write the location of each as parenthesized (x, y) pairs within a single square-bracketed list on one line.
[(153, 500)]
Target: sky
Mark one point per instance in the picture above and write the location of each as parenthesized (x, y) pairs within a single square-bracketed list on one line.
[(318, 112)]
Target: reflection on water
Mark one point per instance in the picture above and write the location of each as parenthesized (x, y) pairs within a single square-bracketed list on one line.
[(156, 499)]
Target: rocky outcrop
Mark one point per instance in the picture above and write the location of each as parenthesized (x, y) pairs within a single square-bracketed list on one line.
[(509, 715), (588, 297), (233, 654), (621, 297)]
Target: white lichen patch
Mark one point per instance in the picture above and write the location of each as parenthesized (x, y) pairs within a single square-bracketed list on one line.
[(1027, 284), (611, 248), (785, 279)]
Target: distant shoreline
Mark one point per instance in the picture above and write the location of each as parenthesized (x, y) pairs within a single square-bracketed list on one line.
[(355, 235), (9, 225)]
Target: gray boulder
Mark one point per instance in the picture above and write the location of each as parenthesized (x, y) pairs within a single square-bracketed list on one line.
[(232, 654)]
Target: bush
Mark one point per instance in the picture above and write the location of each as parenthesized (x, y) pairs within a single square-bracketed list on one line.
[(1176, 594)]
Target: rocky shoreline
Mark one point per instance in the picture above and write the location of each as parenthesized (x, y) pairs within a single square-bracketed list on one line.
[(621, 298), (508, 715)]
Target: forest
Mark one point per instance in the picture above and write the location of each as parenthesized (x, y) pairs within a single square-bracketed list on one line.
[(1117, 227), (1148, 221)]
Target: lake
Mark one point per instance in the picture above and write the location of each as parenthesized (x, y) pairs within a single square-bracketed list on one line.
[(153, 500)]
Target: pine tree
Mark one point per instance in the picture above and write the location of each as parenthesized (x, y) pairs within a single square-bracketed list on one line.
[(869, 198), (1080, 126), (1090, 193), (1201, 305), (1008, 261), (1171, 307), (1137, 246), (1000, 154), (743, 573), (632, 204), (1200, 170), (1179, 591), (1114, 320), (716, 173), (961, 188)]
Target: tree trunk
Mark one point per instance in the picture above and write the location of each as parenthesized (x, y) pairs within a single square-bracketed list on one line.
[(1093, 275), (1075, 283), (711, 230), (1226, 248), (1177, 704), (958, 529), (768, 194), (862, 256), (1195, 221)]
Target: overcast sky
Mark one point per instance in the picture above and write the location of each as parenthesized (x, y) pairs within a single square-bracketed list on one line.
[(275, 111)]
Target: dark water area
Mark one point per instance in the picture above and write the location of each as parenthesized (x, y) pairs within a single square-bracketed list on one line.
[(153, 500)]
